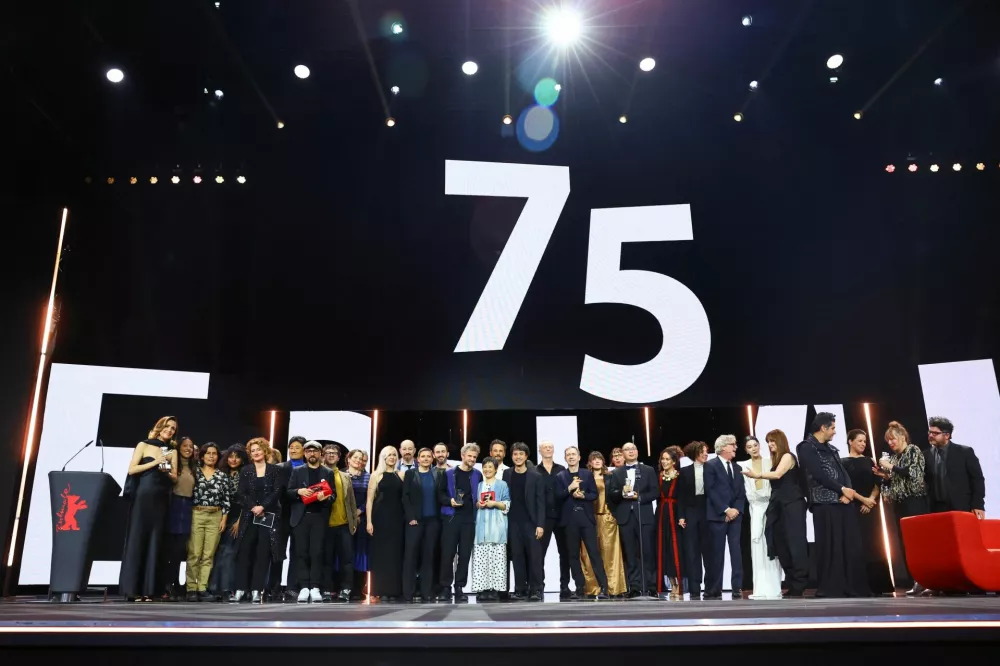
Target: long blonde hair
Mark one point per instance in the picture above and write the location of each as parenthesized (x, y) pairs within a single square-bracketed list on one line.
[(382, 455)]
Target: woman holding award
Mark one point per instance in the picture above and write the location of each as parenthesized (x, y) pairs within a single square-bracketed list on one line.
[(260, 496), (607, 536), (489, 555)]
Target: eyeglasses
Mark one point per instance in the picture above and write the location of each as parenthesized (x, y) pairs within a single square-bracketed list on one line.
[(935, 433)]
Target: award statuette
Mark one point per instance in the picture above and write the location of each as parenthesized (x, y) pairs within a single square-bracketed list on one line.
[(460, 497)]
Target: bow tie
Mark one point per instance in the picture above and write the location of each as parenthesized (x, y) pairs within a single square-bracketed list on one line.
[(630, 466)]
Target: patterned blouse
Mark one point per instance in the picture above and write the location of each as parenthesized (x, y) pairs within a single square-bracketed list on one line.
[(906, 479), (217, 491)]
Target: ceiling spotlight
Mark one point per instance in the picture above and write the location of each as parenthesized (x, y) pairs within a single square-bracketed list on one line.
[(111, 180), (935, 168), (133, 180), (835, 61), (647, 64), (939, 81), (507, 120), (394, 90), (956, 167), (738, 117), (241, 179), (469, 67), (220, 180), (557, 87), (397, 28), (563, 27), (980, 166), (153, 180), (217, 5), (116, 75), (175, 179), (197, 180), (623, 119), (747, 21), (218, 94), (834, 79), (205, 90), (857, 115), (390, 122), (912, 168), (281, 125), (301, 71), (753, 85), (890, 168)]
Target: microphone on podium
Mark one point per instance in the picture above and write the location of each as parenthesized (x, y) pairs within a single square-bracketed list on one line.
[(76, 454)]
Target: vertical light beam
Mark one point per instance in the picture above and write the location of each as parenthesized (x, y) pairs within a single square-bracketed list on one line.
[(465, 427), (371, 454), (881, 505), (271, 438), (750, 420), (29, 442), (649, 444)]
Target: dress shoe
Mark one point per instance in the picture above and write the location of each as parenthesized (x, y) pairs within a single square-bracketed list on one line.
[(535, 596), (192, 597), (915, 591), (205, 595), (460, 596), (564, 593), (737, 595), (713, 597), (603, 595), (444, 597), (518, 596), (573, 596)]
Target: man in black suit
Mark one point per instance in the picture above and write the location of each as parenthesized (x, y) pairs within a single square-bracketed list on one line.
[(577, 489), (726, 499), (631, 491), (310, 513), (422, 516), (296, 458), (954, 477), (696, 534), (553, 514), (525, 525)]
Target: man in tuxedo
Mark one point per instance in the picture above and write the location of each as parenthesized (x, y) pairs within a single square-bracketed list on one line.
[(696, 534), (725, 501), (310, 513), (578, 490), (525, 525), (954, 477), (631, 492)]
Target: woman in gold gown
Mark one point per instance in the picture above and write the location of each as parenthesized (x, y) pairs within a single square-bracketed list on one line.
[(607, 537)]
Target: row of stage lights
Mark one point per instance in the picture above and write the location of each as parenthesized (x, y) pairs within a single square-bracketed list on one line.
[(174, 180), (934, 168)]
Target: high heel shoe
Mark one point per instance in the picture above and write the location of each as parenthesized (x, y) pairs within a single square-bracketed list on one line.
[(675, 590)]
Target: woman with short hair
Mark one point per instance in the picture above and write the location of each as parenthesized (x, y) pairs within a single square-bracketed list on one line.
[(210, 506), (489, 554)]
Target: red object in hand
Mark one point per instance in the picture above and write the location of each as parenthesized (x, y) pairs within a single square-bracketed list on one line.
[(321, 487), (487, 496)]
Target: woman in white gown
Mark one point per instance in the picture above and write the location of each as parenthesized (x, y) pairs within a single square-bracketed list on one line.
[(766, 572)]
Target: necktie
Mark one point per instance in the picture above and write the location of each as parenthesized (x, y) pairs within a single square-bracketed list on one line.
[(939, 474), (729, 470)]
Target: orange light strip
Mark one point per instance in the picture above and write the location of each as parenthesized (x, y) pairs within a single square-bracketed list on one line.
[(649, 444), (271, 438), (371, 455), (750, 420), (29, 442), (881, 505), (465, 427)]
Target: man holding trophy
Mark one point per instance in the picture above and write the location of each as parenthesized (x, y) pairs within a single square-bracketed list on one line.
[(631, 492), (458, 522)]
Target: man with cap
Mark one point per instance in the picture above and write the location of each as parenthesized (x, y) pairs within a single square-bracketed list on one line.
[(310, 514)]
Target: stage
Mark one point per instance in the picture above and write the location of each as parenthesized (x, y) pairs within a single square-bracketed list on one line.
[(33, 622)]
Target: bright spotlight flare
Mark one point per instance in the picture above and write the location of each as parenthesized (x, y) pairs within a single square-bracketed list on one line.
[(301, 71), (469, 67), (835, 61), (563, 27), (396, 28), (647, 64), (115, 75), (747, 21)]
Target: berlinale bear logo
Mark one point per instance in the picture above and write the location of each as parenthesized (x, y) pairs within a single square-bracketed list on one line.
[(66, 518)]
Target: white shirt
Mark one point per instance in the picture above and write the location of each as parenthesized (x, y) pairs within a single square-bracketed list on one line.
[(699, 478), (404, 467), (500, 470)]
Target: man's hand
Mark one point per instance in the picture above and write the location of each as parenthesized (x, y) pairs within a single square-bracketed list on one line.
[(454, 504), (844, 499), (539, 532), (682, 522), (980, 514), (320, 496), (731, 514), (305, 492), (868, 502), (257, 510), (848, 493), (574, 484), (413, 522)]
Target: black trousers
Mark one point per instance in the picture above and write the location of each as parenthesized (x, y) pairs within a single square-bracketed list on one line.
[(840, 560), (640, 570), (910, 506), (791, 545), (420, 541), (274, 575), (695, 544), (456, 536), (309, 536), (552, 528), (256, 546), (581, 530), (526, 554), (722, 533), (338, 547)]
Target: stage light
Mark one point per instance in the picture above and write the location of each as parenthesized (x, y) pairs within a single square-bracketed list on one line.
[(980, 166), (153, 180), (563, 26), (753, 85), (912, 168), (241, 179), (747, 21), (390, 122), (835, 61), (301, 71), (273, 420), (217, 5), (956, 167), (647, 64), (469, 67), (281, 125), (133, 180), (890, 168), (175, 180), (834, 79), (394, 90), (116, 75), (218, 94), (397, 28), (750, 419), (623, 119), (507, 120), (738, 117), (197, 180), (857, 115), (111, 180), (939, 81), (935, 168), (220, 180), (558, 87), (649, 441)]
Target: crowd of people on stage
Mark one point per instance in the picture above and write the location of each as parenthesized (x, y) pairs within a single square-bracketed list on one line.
[(410, 529)]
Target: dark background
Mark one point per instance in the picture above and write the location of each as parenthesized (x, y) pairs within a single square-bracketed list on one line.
[(340, 276)]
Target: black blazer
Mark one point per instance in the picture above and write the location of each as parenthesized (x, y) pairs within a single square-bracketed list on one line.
[(965, 486), (413, 493), (723, 494), (686, 496), (273, 488), (587, 485), (646, 484), (534, 493), (300, 479), (553, 507)]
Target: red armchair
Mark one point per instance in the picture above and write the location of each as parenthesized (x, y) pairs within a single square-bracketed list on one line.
[(953, 551)]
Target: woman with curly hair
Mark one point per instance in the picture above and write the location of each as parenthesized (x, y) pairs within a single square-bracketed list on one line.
[(260, 496)]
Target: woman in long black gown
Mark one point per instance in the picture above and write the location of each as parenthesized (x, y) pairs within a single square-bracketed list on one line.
[(385, 525), (222, 582), (149, 490), (859, 467)]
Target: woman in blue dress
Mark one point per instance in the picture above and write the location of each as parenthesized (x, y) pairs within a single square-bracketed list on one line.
[(489, 556)]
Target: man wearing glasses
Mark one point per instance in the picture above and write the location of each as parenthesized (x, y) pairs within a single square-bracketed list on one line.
[(954, 477)]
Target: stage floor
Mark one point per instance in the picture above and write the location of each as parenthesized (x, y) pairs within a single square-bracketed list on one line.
[(31, 621)]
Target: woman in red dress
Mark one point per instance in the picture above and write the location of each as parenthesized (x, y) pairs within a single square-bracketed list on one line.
[(669, 517)]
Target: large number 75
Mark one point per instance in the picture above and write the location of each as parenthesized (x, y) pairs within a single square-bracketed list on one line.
[(687, 337)]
